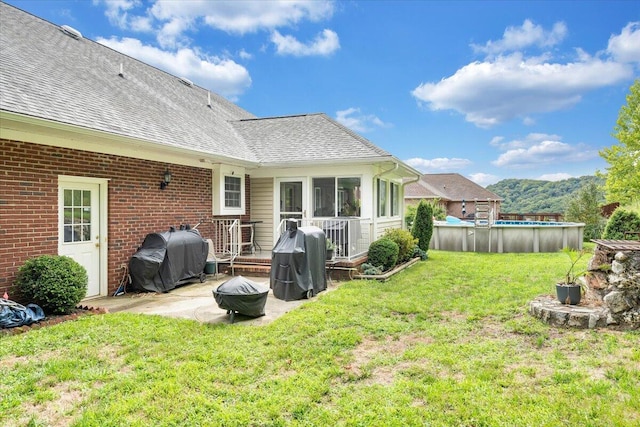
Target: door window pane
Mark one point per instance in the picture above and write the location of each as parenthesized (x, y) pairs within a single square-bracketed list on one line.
[(349, 196), (77, 215)]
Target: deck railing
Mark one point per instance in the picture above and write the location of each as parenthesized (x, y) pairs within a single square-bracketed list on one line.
[(352, 236), (230, 238)]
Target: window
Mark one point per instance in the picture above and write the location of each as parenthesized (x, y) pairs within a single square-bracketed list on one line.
[(77, 215), (382, 197), (336, 197), (395, 199), (232, 191)]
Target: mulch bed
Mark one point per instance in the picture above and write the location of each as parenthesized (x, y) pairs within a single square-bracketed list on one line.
[(54, 319)]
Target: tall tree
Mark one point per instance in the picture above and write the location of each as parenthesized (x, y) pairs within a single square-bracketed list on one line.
[(623, 174), (585, 207)]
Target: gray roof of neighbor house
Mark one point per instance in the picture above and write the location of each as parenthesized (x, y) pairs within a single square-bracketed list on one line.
[(47, 74), (447, 186)]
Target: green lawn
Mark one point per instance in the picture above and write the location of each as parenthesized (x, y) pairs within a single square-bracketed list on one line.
[(447, 342)]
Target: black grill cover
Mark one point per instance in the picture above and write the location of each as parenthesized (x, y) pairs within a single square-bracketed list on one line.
[(243, 296), (166, 259), (298, 264)]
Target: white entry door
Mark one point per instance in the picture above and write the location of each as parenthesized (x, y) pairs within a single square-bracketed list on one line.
[(79, 231), (292, 197)]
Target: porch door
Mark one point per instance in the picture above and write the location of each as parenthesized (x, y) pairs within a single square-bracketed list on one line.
[(79, 230), (291, 193)]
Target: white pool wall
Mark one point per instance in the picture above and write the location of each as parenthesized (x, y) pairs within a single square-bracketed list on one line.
[(513, 237)]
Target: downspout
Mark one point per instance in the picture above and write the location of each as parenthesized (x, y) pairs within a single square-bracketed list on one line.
[(411, 181), (374, 222)]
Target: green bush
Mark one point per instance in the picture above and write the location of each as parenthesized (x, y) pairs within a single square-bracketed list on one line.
[(371, 270), (405, 241), (55, 283), (622, 220), (383, 252), (419, 253), (423, 225)]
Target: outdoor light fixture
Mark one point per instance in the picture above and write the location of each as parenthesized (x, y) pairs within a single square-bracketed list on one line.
[(165, 180)]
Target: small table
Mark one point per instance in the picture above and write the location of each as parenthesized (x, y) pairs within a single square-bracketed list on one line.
[(254, 243)]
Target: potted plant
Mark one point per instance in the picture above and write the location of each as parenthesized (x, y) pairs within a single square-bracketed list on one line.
[(569, 290), (331, 247)]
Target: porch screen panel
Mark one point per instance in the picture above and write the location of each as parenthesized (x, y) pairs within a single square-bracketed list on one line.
[(395, 199), (324, 196), (382, 197), (349, 193)]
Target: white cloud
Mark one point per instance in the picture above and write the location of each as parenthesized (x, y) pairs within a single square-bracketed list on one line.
[(626, 46), (488, 93), (217, 74), (438, 164), (555, 176), (515, 85), (529, 34), (242, 17), (358, 122), (537, 149), (172, 20), (484, 179), (324, 44)]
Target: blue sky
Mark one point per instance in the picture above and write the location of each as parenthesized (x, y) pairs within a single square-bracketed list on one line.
[(490, 90)]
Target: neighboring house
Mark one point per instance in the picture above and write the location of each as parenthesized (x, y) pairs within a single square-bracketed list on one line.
[(88, 134), (457, 194)]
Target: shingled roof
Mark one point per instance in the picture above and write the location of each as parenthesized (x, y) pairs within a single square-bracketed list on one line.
[(274, 140), (447, 186), (47, 74)]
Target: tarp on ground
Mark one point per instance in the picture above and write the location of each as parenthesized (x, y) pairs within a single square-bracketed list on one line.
[(13, 314), (165, 260), (298, 264)]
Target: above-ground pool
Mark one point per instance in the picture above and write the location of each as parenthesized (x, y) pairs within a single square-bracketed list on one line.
[(506, 236)]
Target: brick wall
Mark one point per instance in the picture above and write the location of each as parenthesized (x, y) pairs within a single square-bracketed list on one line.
[(29, 202)]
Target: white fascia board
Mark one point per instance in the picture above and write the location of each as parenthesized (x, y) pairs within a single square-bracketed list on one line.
[(19, 127)]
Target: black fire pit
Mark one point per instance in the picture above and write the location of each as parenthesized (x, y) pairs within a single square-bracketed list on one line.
[(243, 296)]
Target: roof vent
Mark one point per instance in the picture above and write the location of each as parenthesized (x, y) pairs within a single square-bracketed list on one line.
[(185, 81), (72, 32)]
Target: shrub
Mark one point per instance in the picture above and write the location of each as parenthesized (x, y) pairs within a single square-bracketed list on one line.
[(419, 253), (383, 252), (405, 241), (55, 283), (622, 220), (370, 269), (423, 225)]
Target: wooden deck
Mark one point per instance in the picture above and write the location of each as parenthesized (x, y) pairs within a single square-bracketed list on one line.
[(259, 264)]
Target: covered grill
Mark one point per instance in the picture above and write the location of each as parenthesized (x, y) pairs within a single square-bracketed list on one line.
[(298, 263), (166, 260), (241, 295)]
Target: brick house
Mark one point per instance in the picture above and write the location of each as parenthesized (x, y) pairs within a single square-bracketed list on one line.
[(455, 193), (88, 134)]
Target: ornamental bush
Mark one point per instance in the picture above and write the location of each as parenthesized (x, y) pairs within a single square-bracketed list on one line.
[(55, 283), (405, 241), (621, 220), (423, 225), (383, 253)]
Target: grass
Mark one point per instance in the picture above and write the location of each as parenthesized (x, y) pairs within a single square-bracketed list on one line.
[(446, 342)]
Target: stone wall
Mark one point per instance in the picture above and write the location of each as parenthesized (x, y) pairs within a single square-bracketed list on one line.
[(614, 279)]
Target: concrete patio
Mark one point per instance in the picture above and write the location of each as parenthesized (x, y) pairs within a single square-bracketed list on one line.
[(195, 301)]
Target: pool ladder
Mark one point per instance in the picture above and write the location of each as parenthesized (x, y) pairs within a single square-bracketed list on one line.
[(482, 219)]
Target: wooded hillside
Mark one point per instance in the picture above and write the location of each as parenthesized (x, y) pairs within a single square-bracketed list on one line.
[(530, 195)]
